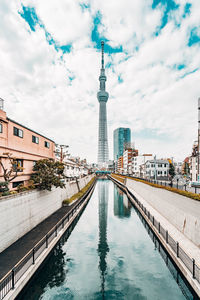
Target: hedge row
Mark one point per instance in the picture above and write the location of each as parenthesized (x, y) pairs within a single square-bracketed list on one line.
[(171, 189), (79, 194)]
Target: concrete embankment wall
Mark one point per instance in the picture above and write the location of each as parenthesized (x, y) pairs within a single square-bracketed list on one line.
[(22, 212), (182, 212)]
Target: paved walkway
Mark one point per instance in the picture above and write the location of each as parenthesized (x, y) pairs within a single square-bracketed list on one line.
[(178, 214), (10, 256)]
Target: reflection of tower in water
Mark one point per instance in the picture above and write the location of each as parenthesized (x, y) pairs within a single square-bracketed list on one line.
[(122, 206), (103, 246)]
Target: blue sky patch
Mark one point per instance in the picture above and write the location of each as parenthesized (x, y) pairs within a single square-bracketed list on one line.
[(97, 38), (187, 10), (84, 6), (120, 80), (30, 16), (169, 6), (152, 134), (194, 37)]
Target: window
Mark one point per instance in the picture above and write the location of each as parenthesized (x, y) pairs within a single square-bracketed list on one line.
[(46, 144), (18, 165), (1, 128), (35, 139), (165, 165), (16, 183), (18, 132), (34, 162)]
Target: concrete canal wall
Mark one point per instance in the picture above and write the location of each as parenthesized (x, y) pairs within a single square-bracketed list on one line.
[(146, 196), (22, 212), (182, 212)]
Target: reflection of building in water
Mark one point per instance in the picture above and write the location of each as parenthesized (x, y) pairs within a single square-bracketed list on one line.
[(103, 246), (122, 207)]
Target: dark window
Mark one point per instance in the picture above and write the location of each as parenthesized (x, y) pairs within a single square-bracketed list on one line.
[(35, 139), (18, 132), (18, 165), (46, 144), (16, 183), (1, 128)]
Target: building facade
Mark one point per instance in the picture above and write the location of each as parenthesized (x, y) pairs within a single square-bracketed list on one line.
[(121, 137), (138, 162), (128, 155), (23, 144), (193, 162), (157, 169), (102, 95)]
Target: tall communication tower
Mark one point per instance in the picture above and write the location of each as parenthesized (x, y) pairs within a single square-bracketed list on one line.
[(102, 97)]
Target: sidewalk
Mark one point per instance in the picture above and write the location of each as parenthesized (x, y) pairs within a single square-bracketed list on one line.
[(12, 255)]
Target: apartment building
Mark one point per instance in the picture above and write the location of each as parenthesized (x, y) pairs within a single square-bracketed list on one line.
[(25, 145), (138, 162), (157, 169)]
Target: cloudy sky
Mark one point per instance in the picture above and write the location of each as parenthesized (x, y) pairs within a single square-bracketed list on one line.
[(50, 64)]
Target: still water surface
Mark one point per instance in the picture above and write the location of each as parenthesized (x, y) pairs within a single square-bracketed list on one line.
[(109, 255)]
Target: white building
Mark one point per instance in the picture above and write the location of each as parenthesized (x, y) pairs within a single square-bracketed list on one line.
[(157, 169), (138, 164), (73, 169), (193, 162)]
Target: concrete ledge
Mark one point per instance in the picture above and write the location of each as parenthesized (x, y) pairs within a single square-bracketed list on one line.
[(172, 230), (33, 268)]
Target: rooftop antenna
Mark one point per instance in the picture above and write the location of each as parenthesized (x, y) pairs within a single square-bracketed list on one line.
[(102, 53)]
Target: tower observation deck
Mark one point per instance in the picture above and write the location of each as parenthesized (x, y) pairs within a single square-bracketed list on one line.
[(102, 97)]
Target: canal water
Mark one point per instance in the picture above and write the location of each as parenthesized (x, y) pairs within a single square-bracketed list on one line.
[(110, 254)]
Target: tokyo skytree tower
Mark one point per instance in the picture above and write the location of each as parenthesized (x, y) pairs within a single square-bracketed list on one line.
[(102, 97)]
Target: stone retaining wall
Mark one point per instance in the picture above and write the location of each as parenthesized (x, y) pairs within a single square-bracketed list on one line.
[(22, 212)]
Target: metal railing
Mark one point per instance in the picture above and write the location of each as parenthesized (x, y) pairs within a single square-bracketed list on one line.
[(189, 262), (177, 185), (8, 282)]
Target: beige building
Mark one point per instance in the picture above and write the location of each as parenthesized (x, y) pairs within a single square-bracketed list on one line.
[(24, 144)]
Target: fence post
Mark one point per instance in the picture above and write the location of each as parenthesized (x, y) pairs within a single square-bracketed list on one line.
[(167, 236), (193, 271), (56, 230), (13, 279), (47, 241), (195, 189), (177, 249), (159, 227), (33, 256), (185, 187)]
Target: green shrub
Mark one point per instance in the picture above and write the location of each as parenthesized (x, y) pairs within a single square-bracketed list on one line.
[(79, 194), (6, 193), (4, 186)]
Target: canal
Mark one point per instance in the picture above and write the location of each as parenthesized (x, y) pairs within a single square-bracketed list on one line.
[(110, 254)]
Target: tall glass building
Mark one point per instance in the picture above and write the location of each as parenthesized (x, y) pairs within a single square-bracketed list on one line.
[(121, 136)]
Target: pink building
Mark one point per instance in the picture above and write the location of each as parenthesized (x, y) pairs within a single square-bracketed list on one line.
[(26, 145)]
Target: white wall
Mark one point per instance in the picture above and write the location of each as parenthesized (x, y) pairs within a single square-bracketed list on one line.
[(21, 213), (180, 211)]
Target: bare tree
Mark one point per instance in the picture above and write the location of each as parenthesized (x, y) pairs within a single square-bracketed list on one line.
[(12, 172)]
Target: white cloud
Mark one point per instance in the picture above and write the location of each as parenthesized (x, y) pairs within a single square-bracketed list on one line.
[(153, 96)]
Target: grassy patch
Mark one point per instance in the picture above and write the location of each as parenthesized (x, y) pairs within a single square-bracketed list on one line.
[(79, 194), (168, 188)]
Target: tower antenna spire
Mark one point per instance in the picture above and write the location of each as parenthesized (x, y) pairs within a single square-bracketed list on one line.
[(102, 54)]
